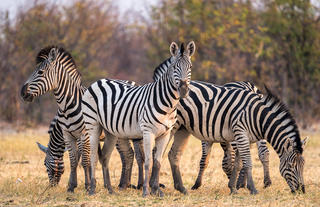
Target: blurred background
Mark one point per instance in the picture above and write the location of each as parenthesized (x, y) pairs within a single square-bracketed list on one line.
[(272, 42)]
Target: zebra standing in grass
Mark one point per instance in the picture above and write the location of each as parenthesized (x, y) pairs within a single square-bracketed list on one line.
[(220, 119), (229, 152), (56, 70), (210, 113), (147, 111)]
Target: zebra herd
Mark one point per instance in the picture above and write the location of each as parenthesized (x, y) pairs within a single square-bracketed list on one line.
[(173, 106)]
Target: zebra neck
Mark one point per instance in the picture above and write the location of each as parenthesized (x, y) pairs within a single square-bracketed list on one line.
[(168, 89), (68, 95)]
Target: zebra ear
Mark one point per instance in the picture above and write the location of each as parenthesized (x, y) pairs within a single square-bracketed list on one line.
[(174, 48), (42, 148), (191, 47), (52, 55), (304, 142)]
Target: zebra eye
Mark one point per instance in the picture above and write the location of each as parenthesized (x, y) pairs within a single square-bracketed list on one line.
[(40, 72)]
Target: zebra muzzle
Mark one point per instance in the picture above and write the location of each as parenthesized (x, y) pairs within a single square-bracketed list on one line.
[(183, 89), (25, 95)]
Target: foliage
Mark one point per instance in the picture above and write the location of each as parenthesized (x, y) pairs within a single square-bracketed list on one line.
[(273, 42)]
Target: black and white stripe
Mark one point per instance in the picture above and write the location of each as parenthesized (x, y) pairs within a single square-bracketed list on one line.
[(56, 71), (229, 152), (147, 111)]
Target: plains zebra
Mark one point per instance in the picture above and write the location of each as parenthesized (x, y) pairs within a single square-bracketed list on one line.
[(221, 117), (229, 155), (147, 111), (57, 71)]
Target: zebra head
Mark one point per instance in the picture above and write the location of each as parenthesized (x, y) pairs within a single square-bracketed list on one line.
[(181, 66), (54, 165), (292, 164), (43, 78)]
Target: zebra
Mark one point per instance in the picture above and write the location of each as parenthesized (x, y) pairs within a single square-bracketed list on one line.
[(147, 111), (229, 156), (210, 113), (57, 71)]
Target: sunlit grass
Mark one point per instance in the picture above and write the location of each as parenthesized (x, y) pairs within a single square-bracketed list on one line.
[(22, 184)]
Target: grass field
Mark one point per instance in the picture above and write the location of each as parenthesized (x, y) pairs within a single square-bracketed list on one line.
[(23, 178)]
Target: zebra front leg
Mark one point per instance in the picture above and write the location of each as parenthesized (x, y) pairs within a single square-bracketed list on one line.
[(206, 150), (73, 156), (263, 152), (126, 154), (243, 145), (108, 146), (179, 143), (139, 152), (93, 133), (148, 139), (160, 146)]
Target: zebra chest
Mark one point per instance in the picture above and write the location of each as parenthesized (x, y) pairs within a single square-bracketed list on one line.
[(158, 124)]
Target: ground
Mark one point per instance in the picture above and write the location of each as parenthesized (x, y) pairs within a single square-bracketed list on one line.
[(23, 178)]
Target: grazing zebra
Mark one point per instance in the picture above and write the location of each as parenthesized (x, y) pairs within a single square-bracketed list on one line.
[(56, 70), (229, 155), (147, 111), (223, 115)]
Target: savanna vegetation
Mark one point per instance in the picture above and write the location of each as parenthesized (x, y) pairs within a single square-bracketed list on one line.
[(272, 42)]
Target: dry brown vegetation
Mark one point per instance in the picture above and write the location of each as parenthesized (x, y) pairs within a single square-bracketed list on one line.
[(23, 178)]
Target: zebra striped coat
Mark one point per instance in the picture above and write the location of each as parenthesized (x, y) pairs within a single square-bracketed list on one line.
[(211, 113), (229, 155), (56, 71), (147, 111)]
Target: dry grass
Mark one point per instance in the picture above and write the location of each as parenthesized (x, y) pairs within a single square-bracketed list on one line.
[(20, 146)]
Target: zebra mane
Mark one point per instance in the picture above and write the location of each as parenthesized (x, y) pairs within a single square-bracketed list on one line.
[(44, 55), (161, 69), (282, 108)]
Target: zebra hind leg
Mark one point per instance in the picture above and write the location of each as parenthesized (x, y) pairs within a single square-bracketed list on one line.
[(242, 178), (206, 150), (126, 154), (234, 174), (139, 153)]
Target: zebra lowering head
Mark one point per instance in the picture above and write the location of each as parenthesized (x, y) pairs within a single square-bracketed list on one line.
[(292, 164), (44, 78), (180, 68), (54, 164)]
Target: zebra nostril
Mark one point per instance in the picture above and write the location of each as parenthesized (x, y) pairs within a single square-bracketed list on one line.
[(24, 90)]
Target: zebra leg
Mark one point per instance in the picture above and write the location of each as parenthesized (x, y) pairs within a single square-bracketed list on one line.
[(93, 134), (242, 178), (126, 154), (179, 143), (148, 140), (206, 150), (108, 146), (263, 152), (160, 146), (228, 158), (243, 145), (138, 149), (84, 148), (234, 174), (73, 155)]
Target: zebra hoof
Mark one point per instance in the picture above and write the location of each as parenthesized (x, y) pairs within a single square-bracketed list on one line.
[(233, 192), (70, 190), (253, 192), (132, 186), (145, 192), (139, 186), (267, 183), (92, 192), (162, 186), (196, 186)]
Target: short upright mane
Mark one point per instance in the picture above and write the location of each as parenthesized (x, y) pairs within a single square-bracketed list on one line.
[(160, 70), (44, 54), (270, 97)]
